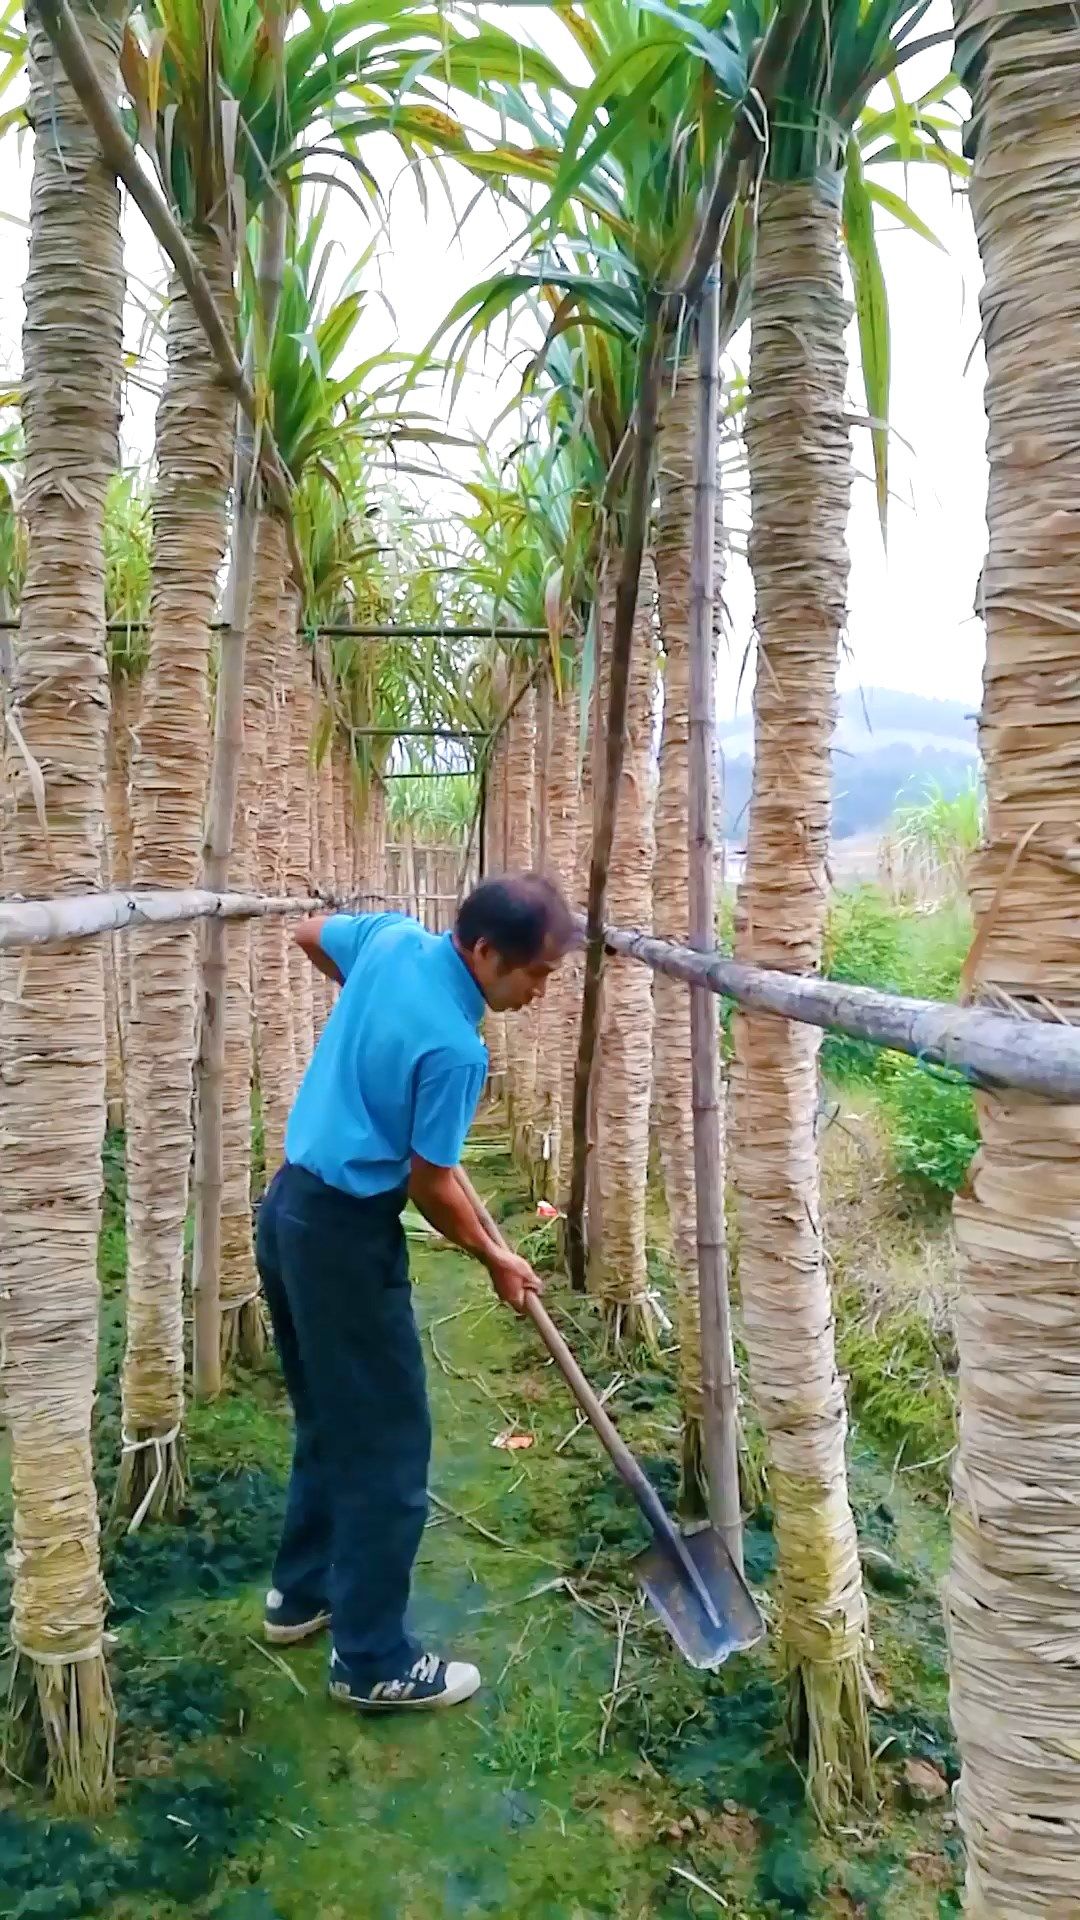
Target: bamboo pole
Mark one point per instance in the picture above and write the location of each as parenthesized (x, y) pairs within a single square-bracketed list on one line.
[(718, 1377), (990, 1049), (84, 916), (420, 733), (331, 630), (210, 1062), (483, 854)]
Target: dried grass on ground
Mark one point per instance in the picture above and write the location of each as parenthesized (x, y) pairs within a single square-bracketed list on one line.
[(893, 1266)]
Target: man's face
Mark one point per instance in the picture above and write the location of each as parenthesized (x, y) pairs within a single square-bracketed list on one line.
[(508, 988)]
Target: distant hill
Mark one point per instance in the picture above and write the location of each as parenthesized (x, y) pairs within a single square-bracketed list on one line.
[(889, 747)]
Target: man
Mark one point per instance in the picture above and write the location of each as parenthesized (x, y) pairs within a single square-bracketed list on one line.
[(381, 1116)]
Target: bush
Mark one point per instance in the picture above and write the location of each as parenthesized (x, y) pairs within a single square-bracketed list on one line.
[(934, 950), (864, 939), (933, 1131), (871, 942), (930, 1116)]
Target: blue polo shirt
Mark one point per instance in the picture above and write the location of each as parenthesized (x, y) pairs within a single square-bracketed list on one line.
[(400, 1065)]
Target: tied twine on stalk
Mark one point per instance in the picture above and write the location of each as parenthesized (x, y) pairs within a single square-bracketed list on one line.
[(61, 1717)]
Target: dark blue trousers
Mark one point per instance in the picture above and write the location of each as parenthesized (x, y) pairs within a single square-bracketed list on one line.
[(335, 1273)]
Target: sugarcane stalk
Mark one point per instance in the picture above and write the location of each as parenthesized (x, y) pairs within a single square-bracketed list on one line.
[(626, 599), (210, 1065), (718, 1377), (226, 765)]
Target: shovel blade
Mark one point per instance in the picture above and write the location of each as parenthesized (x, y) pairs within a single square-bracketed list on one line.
[(678, 1604)]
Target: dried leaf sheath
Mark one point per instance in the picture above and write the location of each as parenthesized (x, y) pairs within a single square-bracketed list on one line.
[(274, 604), (195, 429), (123, 707), (573, 971), (561, 1017), (673, 1090), (52, 1091), (543, 1018), (1013, 1599), (800, 477), (298, 853), (623, 1079), (242, 1331)]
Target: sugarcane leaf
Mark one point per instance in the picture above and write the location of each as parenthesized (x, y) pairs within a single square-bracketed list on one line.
[(872, 318), (901, 210), (588, 677), (721, 55)]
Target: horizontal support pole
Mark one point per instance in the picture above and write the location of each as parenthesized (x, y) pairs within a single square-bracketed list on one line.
[(83, 916), (342, 630), (345, 632), (990, 1049), (418, 733)]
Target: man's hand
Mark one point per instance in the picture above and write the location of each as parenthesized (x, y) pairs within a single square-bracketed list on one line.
[(513, 1278), (448, 1202)]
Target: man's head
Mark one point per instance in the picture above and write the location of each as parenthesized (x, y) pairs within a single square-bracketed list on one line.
[(512, 932)]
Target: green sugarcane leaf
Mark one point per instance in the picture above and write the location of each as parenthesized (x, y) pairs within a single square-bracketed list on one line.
[(872, 318), (895, 204), (588, 677)]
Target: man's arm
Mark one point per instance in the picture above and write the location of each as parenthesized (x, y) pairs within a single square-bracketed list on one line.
[(490, 1226), (308, 934), (447, 1202)]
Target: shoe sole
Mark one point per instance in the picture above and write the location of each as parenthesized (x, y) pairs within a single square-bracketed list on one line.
[(292, 1636), (453, 1697)]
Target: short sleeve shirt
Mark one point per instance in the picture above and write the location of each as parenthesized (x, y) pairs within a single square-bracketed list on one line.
[(400, 1065)]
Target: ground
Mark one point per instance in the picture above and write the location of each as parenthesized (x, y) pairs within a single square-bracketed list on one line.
[(246, 1795)]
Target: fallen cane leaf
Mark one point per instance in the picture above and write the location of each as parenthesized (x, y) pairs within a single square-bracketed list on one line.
[(701, 1885)]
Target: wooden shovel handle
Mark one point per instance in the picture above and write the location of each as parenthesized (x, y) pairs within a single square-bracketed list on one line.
[(640, 1486), (611, 1439)]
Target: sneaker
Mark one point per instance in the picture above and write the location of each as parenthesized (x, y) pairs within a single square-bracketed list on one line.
[(285, 1624), (429, 1682)]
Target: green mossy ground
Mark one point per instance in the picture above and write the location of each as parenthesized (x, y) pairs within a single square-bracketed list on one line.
[(247, 1796)]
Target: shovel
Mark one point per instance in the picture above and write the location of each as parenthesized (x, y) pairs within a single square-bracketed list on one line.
[(691, 1579)]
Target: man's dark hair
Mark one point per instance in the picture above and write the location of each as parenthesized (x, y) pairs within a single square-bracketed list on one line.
[(518, 914)]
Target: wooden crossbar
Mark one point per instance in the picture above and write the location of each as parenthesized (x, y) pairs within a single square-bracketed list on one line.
[(991, 1049)]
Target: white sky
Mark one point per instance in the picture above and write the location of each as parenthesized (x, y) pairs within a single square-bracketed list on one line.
[(911, 624)]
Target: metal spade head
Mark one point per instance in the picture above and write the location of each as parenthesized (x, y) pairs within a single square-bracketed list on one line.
[(703, 1642)]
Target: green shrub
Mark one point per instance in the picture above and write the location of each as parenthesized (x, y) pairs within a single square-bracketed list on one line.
[(870, 942), (864, 939), (933, 1131), (899, 1387), (935, 947)]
